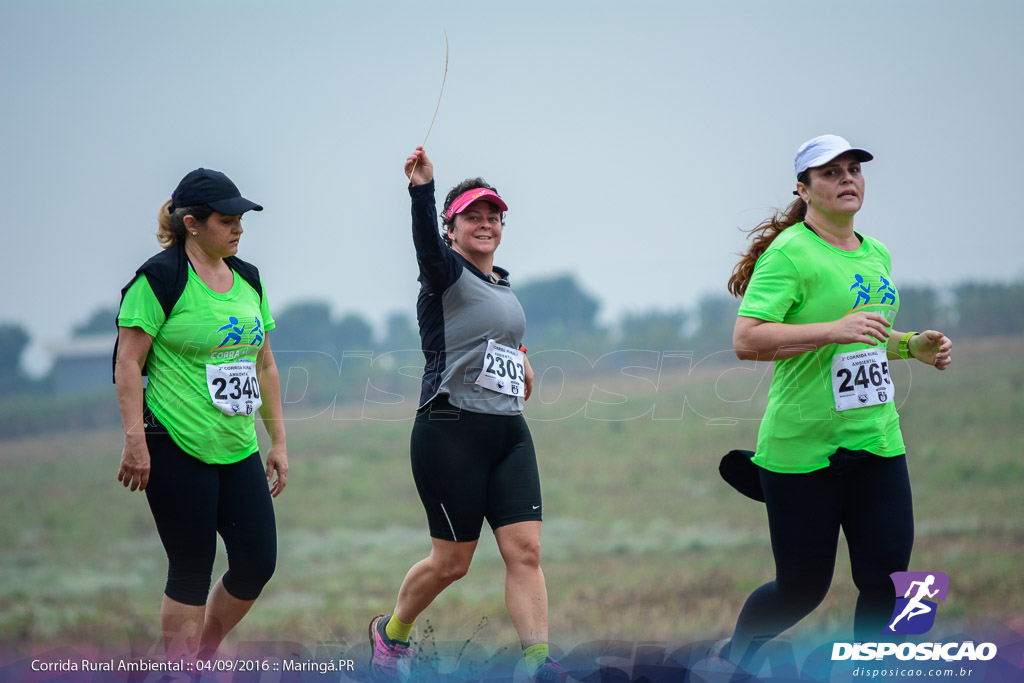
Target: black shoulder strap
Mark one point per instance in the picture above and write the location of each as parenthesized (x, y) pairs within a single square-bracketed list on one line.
[(167, 273), (249, 273)]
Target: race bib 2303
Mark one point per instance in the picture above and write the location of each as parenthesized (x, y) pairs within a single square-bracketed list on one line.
[(503, 369)]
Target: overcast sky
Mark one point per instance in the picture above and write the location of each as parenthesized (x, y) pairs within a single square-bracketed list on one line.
[(631, 140)]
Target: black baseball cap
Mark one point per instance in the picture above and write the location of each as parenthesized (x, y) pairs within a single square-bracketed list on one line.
[(214, 189)]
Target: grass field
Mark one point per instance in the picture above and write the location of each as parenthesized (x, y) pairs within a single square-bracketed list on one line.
[(642, 540)]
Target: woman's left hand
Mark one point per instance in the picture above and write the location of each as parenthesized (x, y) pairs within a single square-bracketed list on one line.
[(933, 348), (277, 460), (527, 379)]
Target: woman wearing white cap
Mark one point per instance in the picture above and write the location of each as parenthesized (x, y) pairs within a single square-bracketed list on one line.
[(472, 454), (819, 300)]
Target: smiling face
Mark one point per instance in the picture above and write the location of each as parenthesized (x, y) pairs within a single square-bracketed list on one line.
[(477, 230), (218, 236), (835, 189)]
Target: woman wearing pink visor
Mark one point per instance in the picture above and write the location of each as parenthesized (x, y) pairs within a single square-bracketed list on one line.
[(471, 451)]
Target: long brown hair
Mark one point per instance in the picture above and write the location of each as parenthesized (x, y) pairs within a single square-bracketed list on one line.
[(763, 235)]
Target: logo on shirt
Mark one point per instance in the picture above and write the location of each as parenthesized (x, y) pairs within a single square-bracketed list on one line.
[(862, 290), (235, 334)]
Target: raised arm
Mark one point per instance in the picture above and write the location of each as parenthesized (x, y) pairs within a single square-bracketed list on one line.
[(438, 268)]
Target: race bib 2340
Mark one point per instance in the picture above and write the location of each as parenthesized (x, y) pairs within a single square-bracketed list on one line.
[(234, 389)]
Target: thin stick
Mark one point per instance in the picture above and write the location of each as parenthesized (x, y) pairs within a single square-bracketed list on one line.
[(434, 117)]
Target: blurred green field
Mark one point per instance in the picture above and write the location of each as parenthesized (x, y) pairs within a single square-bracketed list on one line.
[(642, 540)]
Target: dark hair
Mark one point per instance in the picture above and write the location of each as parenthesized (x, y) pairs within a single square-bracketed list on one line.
[(464, 186), (170, 224), (763, 235)]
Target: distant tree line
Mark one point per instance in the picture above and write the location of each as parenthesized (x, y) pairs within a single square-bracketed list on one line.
[(326, 358)]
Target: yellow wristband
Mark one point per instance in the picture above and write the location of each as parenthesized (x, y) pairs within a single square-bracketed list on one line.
[(903, 350)]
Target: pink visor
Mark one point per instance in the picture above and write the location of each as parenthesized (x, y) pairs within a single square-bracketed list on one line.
[(470, 196)]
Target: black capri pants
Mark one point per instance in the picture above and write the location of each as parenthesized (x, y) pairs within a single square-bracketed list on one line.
[(192, 502), (865, 495), (471, 466)]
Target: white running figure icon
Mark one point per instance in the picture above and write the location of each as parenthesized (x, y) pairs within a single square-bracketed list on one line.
[(915, 606)]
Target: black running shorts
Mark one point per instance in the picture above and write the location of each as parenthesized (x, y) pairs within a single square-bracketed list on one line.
[(470, 466)]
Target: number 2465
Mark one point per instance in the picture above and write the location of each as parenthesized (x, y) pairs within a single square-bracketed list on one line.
[(867, 376)]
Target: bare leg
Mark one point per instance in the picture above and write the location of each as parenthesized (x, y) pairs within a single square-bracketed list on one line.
[(223, 612), (526, 595), (447, 563), (180, 625)]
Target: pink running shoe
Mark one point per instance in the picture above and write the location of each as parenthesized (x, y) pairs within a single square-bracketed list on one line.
[(388, 663), (550, 672)]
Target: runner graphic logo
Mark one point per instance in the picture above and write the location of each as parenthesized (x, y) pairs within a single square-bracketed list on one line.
[(916, 593)]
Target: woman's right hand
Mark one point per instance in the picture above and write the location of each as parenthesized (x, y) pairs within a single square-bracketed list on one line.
[(134, 470), (418, 168), (861, 327)]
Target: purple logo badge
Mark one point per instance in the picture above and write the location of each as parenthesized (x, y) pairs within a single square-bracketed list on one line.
[(915, 595)]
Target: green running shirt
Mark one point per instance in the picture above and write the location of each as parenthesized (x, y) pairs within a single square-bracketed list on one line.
[(802, 279), (204, 327)]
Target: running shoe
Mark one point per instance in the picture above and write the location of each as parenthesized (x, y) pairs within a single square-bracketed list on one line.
[(715, 668), (387, 664), (717, 651), (550, 672)]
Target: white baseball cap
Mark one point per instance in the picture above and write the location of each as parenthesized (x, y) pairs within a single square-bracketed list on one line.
[(823, 149)]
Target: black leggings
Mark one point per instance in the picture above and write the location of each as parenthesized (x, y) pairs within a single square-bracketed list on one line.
[(869, 497), (192, 502)]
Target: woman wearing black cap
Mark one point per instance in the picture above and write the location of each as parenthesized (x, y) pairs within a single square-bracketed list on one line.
[(472, 454), (819, 300), (195, 318)]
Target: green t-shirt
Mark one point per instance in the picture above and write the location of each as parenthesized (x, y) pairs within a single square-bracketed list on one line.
[(802, 279), (204, 328)]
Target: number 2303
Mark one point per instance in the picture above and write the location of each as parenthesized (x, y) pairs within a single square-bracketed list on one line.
[(504, 368)]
